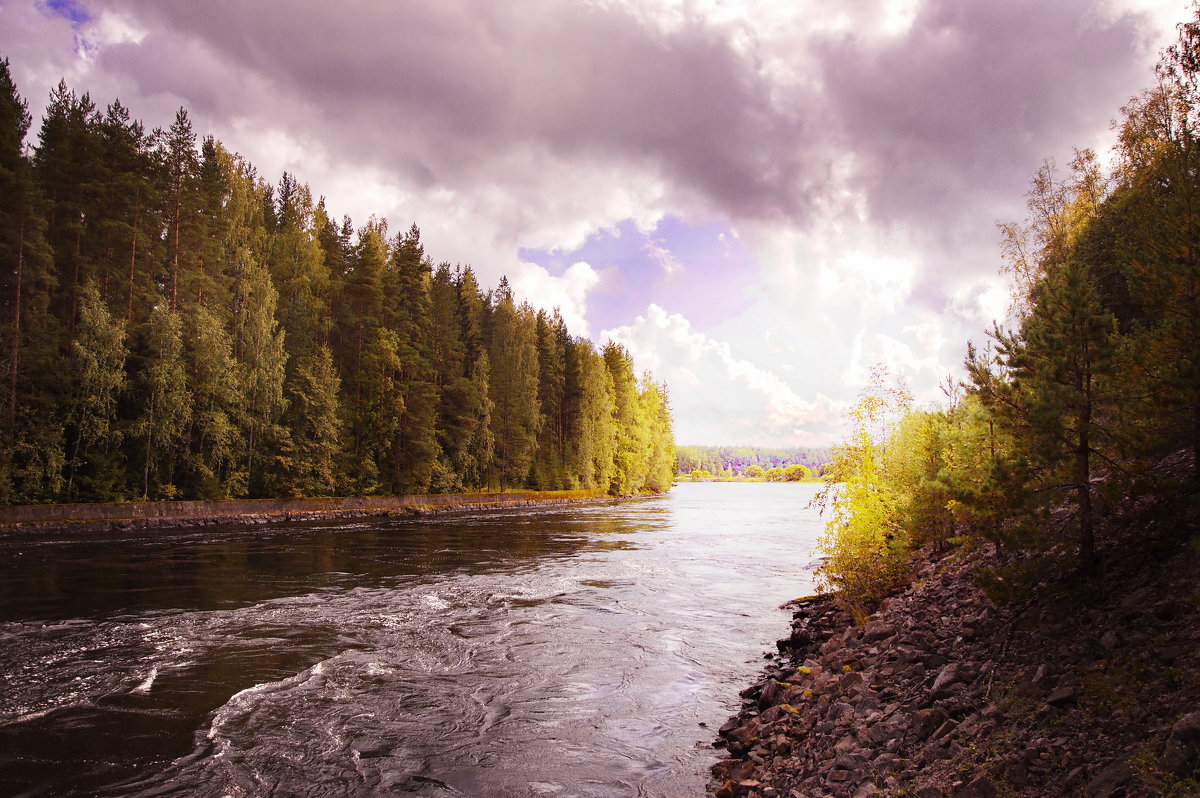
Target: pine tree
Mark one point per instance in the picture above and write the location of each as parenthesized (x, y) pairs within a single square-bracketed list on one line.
[(478, 451), (215, 443), (129, 226), (358, 312), (307, 460), (209, 281), (296, 262), (379, 413), (406, 285), (69, 170), (32, 444), (549, 471), (596, 439), (262, 365), (1060, 366), (98, 363), (514, 380), (456, 410), (181, 170), (632, 430), (167, 401), (656, 410)]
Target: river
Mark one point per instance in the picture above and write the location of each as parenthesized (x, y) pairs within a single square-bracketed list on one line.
[(586, 650)]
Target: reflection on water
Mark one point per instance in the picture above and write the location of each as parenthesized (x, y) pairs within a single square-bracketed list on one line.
[(559, 651)]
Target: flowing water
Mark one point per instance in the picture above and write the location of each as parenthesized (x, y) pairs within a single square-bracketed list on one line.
[(571, 651)]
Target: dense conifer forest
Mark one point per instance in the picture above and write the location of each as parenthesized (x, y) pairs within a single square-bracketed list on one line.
[(174, 326)]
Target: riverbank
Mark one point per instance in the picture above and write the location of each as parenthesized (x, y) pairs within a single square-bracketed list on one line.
[(150, 515), (944, 693)]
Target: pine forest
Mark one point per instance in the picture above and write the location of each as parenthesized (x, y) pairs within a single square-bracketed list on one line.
[(176, 327)]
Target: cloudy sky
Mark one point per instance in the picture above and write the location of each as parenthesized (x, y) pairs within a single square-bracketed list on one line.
[(760, 198)]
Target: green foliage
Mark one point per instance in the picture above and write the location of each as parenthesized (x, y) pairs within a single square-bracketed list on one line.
[(226, 337), (307, 458), (865, 542), (735, 459), (796, 472), (98, 354), (214, 437), (168, 407)]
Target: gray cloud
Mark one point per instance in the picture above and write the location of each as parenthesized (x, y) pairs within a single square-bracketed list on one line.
[(441, 90), (948, 121), (945, 120)]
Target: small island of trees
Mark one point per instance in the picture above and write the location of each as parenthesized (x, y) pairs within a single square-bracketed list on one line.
[(749, 463)]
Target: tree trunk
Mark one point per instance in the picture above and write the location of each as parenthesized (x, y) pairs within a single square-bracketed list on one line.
[(132, 262), (175, 255), (1083, 486), (149, 439)]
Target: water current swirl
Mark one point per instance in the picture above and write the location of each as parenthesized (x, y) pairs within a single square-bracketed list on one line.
[(569, 651)]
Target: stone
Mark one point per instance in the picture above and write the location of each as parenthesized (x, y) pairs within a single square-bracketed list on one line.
[(1169, 655), (743, 736), (1016, 773), (941, 731), (770, 694), (979, 787), (1109, 780), (947, 677), (877, 630), (926, 721), (1062, 696), (775, 714), (850, 681), (1187, 729)]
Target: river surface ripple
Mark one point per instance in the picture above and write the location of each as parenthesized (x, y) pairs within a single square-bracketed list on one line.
[(569, 651)]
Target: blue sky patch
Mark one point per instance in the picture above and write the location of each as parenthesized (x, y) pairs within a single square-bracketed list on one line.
[(69, 9), (676, 266)]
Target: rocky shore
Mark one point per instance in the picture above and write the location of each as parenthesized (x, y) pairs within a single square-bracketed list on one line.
[(1088, 689), (127, 516)]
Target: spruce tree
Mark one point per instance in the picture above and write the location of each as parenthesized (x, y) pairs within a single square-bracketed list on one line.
[(407, 311), (312, 429), (31, 339), (514, 388)]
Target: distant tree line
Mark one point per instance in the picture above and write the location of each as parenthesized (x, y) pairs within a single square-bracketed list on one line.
[(731, 461), (173, 326), (1079, 427)]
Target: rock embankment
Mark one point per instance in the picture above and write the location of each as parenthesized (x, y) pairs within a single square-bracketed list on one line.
[(945, 694), (126, 516)]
